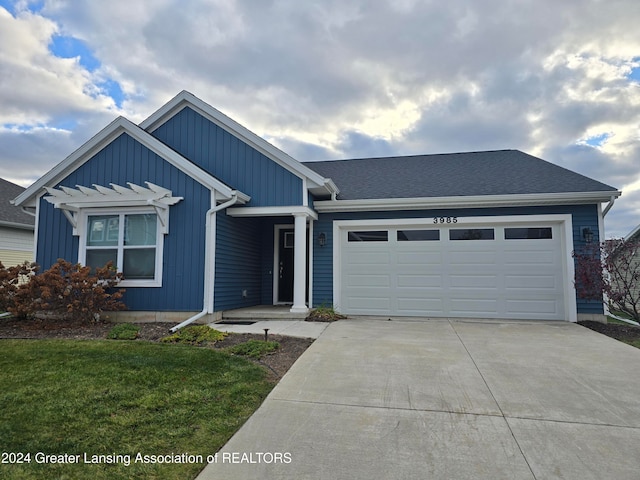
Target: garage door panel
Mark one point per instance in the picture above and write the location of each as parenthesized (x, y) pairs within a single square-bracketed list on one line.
[(368, 281), (368, 258), (424, 281), (537, 282), (368, 304), (419, 258), (474, 307), (532, 307), (530, 258), (478, 258), (473, 281), (420, 306)]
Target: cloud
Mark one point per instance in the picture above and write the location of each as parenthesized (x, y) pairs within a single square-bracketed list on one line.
[(339, 78)]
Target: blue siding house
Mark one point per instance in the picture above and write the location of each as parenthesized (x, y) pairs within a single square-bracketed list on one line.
[(203, 216)]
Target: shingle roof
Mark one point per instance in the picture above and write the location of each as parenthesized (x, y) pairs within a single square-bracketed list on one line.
[(499, 172), (9, 213)]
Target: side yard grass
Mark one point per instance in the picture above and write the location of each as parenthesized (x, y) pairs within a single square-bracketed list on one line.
[(116, 399)]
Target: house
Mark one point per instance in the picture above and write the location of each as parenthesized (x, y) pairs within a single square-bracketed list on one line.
[(16, 227), (624, 272), (202, 215)]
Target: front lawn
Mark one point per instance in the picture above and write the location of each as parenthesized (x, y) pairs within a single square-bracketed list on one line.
[(116, 399)]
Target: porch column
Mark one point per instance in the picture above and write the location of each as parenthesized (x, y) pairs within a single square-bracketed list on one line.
[(299, 263)]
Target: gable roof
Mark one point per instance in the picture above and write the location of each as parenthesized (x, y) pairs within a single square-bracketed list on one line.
[(316, 183), (119, 126), (502, 172), (11, 216), (634, 234)]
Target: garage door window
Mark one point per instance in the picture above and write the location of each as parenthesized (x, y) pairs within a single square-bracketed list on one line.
[(471, 234), (527, 233), (369, 236), (418, 235)]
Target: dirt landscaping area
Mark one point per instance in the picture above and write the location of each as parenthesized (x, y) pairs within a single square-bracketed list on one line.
[(277, 362)]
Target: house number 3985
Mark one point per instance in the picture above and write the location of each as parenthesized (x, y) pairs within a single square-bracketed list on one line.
[(445, 219)]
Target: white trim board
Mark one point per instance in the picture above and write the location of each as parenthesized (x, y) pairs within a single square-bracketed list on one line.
[(476, 201)]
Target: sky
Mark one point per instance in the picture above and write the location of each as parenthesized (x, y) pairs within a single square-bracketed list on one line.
[(332, 79)]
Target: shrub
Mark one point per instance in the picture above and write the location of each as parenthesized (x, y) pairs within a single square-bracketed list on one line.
[(124, 331), (254, 348), (324, 313), (195, 335), (10, 280), (69, 290)]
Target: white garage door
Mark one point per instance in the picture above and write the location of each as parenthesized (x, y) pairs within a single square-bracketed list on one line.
[(453, 270)]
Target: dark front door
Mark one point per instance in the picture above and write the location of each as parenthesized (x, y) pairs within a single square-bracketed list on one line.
[(285, 267)]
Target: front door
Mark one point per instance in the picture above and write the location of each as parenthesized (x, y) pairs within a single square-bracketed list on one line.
[(285, 266)]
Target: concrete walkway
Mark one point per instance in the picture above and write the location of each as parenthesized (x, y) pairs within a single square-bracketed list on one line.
[(439, 399), (291, 328)]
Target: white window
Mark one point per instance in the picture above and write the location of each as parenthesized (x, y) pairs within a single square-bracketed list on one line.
[(130, 238)]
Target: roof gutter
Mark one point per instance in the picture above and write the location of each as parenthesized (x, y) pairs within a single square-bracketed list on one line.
[(474, 201), (209, 260)]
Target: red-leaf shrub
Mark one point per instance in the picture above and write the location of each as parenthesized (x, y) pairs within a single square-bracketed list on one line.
[(10, 279), (70, 290)]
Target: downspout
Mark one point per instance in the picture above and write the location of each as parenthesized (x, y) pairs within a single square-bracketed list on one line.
[(207, 266), (609, 205), (605, 299)]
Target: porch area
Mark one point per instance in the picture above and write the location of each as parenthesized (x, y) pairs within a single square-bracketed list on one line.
[(262, 312)]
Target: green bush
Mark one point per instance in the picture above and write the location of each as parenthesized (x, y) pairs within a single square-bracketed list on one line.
[(124, 331), (254, 348), (195, 335)]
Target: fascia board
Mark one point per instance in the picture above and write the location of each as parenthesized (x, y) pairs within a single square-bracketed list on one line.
[(100, 140), (464, 201), (271, 211), (184, 99)]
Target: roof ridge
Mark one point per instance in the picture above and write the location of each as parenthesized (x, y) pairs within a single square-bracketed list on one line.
[(415, 155)]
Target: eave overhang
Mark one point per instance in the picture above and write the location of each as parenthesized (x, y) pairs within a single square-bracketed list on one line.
[(476, 201)]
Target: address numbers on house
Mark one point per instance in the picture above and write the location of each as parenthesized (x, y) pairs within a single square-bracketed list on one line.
[(445, 219)]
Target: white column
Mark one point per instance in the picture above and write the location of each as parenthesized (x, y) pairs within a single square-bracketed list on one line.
[(300, 264)]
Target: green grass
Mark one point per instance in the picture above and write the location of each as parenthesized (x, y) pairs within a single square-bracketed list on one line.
[(124, 331), (254, 348), (115, 397), (633, 343)]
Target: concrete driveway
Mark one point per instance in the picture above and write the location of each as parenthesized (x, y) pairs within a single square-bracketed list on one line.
[(439, 399)]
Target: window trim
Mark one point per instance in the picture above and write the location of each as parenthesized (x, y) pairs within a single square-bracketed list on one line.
[(83, 223)]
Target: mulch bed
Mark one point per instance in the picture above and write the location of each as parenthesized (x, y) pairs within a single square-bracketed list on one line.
[(277, 363)]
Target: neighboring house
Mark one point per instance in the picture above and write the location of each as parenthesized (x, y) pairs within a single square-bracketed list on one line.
[(627, 264), (16, 227), (201, 214)]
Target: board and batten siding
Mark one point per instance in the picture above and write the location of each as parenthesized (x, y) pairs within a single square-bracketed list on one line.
[(238, 267), (582, 216), (126, 160), (230, 160)]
